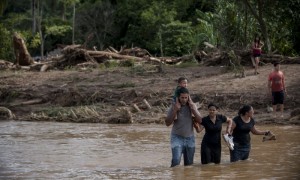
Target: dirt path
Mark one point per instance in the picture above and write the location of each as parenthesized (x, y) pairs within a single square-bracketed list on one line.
[(109, 95)]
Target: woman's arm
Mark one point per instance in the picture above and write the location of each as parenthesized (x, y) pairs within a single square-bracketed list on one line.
[(261, 44), (258, 132), (229, 125), (233, 126)]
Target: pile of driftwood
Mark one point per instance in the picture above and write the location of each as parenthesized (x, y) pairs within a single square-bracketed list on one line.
[(78, 55)]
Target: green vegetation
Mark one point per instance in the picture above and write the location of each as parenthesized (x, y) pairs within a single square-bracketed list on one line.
[(188, 64), (111, 64), (127, 63), (163, 27), (138, 70)]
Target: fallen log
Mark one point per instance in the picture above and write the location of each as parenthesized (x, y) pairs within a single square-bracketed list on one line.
[(279, 58), (30, 102), (136, 51), (176, 60), (113, 49), (111, 55)]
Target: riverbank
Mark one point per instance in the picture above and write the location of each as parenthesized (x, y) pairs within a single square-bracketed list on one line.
[(140, 94)]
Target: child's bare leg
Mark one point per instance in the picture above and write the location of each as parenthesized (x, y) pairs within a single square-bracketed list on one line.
[(256, 65)]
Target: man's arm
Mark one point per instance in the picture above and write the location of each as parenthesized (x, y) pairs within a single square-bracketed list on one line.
[(269, 86), (195, 111), (172, 113), (197, 115), (283, 83), (171, 116)]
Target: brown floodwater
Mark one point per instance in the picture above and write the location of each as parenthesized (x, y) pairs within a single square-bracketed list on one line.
[(52, 150)]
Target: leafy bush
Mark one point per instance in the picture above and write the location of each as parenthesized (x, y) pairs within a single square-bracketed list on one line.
[(139, 69), (127, 63), (111, 64), (186, 64), (6, 51), (178, 38)]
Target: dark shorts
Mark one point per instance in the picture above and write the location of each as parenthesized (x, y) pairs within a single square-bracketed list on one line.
[(277, 97), (256, 55)]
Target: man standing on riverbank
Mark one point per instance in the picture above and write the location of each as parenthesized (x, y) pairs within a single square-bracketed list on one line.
[(181, 115), (276, 87)]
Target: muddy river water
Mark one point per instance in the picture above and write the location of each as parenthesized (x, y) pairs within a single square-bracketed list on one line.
[(52, 150)]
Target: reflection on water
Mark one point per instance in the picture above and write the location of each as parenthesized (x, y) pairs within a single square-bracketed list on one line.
[(51, 150)]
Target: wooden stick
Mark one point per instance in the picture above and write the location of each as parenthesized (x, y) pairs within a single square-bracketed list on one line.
[(136, 108), (147, 104)]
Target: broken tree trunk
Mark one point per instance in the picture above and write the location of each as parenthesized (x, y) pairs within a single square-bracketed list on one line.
[(23, 57)]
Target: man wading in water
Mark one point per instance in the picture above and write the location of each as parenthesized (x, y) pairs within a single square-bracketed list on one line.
[(181, 115)]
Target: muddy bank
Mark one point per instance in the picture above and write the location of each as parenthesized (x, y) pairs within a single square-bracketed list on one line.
[(140, 95)]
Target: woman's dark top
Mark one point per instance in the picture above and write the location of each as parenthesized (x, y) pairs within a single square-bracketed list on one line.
[(241, 131), (213, 130)]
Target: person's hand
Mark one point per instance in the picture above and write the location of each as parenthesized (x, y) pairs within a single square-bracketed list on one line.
[(269, 136), (270, 93), (267, 133), (285, 92), (177, 105), (191, 103), (190, 99)]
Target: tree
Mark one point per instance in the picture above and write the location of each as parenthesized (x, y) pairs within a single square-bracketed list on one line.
[(6, 52), (3, 4), (161, 26), (96, 19), (152, 21), (67, 3), (205, 29), (33, 13), (128, 23), (178, 38), (39, 25)]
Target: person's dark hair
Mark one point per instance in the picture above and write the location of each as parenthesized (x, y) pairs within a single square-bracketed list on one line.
[(182, 90), (275, 64), (181, 79), (212, 104), (244, 109), (258, 39)]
